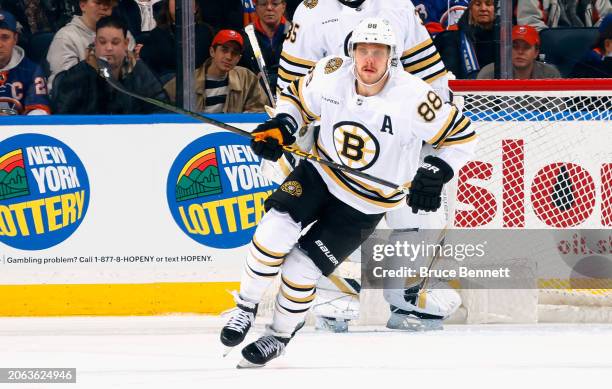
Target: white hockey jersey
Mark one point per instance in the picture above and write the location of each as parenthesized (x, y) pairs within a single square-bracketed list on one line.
[(324, 27), (380, 135)]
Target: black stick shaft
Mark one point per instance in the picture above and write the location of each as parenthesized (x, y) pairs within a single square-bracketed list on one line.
[(291, 149)]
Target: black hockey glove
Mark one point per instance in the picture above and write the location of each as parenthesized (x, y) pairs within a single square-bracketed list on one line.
[(270, 136), (426, 187)]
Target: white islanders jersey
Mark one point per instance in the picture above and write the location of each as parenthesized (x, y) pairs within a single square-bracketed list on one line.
[(324, 27), (380, 135)]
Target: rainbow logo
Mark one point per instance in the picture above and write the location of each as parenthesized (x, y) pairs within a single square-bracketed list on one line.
[(13, 182), (216, 191), (199, 177), (44, 191)]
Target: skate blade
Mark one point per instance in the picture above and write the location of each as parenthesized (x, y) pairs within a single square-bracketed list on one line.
[(244, 364), (227, 350)]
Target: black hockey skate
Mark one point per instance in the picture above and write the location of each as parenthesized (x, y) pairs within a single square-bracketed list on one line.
[(237, 327), (265, 349)]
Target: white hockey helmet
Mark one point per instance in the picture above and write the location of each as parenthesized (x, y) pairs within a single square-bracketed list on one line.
[(374, 30)]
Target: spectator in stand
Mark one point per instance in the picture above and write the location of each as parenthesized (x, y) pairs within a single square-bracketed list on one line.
[(23, 90), (37, 20), (221, 86), (223, 14), (470, 44), (439, 15), (37, 16), (80, 90), (139, 15), (525, 51), (599, 62), (70, 44), (270, 29), (159, 48), (249, 14), (543, 14)]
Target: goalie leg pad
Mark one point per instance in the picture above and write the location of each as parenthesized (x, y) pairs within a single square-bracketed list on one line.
[(275, 236), (440, 303)]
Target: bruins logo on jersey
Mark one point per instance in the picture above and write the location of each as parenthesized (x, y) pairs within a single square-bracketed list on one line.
[(294, 188), (310, 4), (333, 64), (357, 148)]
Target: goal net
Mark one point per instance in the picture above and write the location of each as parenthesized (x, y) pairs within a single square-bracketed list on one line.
[(543, 161)]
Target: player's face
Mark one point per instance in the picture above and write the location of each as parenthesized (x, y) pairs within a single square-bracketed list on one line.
[(8, 40), (482, 12), (112, 45), (226, 56), (94, 10), (523, 54), (371, 61), (270, 11)]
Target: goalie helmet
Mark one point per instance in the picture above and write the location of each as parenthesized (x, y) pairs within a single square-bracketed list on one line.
[(374, 30)]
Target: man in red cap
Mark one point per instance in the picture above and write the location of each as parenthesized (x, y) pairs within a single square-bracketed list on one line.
[(221, 86), (525, 51)]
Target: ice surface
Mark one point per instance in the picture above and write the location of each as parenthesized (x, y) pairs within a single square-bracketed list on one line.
[(184, 352)]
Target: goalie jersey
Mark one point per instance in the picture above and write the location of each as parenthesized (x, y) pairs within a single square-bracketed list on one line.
[(380, 135), (324, 27)]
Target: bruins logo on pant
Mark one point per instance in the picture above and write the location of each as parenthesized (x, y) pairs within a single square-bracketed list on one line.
[(355, 145), (294, 188)]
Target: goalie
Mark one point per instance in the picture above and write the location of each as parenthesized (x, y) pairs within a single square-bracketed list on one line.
[(373, 118)]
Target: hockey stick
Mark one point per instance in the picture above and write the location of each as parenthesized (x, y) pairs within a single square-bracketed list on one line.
[(250, 31), (105, 73)]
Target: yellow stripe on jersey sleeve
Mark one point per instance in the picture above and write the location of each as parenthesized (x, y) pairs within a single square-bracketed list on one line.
[(457, 128), (468, 138), (300, 90), (446, 127), (295, 102), (287, 76), (433, 77), (420, 65), (300, 62), (293, 93), (415, 49)]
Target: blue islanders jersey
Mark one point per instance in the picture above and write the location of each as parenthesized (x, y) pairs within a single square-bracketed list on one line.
[(23, 88)]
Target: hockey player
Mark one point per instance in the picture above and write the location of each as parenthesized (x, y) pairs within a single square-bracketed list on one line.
[(23, 88), (373, 118), (322, 28)]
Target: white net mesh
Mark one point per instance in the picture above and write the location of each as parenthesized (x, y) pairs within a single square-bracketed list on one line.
[(543, 161)]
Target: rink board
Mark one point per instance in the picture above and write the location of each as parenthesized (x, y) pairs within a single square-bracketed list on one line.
[(126, 241), (128, 254)]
